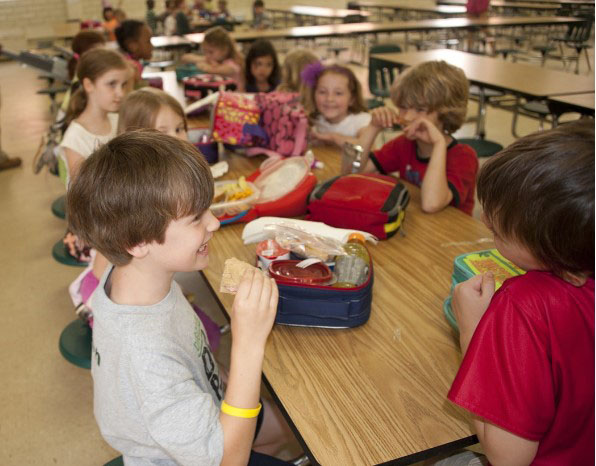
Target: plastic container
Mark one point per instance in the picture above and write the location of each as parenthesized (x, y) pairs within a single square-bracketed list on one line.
[(352, 268), (279, 178), (201, 139), (270, 251), (287, 272), (234, 207)]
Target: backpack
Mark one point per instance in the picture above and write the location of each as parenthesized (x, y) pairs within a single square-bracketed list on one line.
[(235, 118), (283, 123)]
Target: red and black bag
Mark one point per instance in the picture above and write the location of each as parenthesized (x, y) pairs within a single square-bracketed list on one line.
[(369, 202)]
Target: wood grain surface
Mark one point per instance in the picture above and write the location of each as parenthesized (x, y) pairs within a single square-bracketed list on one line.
[(377, 392), (519, 78), (332, 30)]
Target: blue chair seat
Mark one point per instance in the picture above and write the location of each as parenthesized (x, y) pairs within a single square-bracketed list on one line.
[(75, 344)]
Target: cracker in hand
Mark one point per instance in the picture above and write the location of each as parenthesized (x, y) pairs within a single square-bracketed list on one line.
[(233, 272)]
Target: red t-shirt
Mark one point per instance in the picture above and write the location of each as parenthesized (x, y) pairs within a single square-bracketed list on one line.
[(400, 155), (529, 368)]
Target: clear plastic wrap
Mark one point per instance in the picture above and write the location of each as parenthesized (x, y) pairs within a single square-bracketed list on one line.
[(303, 243)]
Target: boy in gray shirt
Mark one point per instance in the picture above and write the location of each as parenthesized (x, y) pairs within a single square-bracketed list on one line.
[(143, 201)]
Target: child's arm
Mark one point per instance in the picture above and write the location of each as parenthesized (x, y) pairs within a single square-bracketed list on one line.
[(383, 117), (252, 318), (470, 301), (210, 67), (73, 161), (435, 192), (336, 138)]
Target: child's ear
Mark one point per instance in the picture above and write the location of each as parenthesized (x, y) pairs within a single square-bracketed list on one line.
[(576, 279), (139, 251), (87, 85)]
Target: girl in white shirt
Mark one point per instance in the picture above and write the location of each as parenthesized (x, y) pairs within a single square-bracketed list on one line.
[(335, 104), (92, 121), (92, 114)]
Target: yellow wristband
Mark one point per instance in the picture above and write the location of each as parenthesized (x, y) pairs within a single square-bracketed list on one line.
[(240, 412)]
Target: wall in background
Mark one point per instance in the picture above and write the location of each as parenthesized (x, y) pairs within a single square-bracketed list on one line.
[(24, 22)]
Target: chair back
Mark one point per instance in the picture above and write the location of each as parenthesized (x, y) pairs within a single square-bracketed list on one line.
[(580, 32), (381, 74)]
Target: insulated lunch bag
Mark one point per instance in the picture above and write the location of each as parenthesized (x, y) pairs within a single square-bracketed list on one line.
[(369, 202)]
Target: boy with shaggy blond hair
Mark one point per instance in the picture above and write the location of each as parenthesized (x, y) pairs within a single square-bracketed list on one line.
[(431, 102)]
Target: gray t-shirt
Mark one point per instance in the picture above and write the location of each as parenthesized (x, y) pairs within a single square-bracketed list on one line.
[(157, 390)]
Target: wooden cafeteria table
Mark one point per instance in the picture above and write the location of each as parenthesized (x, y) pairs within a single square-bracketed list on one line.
[(500, 5), (378, 392), (556, 2), (415, 6), (318, 12), (518, 78), (334, 30), (581, 103)]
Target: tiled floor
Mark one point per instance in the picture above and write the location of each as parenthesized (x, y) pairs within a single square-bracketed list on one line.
[(46, 414)]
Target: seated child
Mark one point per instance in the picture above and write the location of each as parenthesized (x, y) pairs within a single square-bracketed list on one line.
[(110, 23), (260, 18), (134, 39), (158, 395), (153, 108), (294, 63), (261, 68), (527, 374), (180, 17), (151, 17), (83, 41), (431, 100), (334, 104), (219, 56)]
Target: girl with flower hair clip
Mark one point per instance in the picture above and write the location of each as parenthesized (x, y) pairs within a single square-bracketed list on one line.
[(334, 104)]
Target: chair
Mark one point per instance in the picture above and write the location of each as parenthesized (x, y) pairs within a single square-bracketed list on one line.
[(60, 253), (75, 343), (59, 207), (381, 74), (577, 37), (119, 461), (482, 147), (534, 109)]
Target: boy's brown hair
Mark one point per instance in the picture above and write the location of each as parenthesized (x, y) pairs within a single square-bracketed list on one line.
[(140, 108), (540, 192), (435, 86), (127, 192)]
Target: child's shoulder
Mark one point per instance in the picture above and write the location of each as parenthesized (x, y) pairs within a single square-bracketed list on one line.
[(544, 291)]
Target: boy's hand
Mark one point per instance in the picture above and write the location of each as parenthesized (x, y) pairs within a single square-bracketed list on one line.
[(254, 309), (470, 301), (384, 117), (424, 130)]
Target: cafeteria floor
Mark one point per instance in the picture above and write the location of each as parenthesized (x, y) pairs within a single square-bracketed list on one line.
[(46, 413)]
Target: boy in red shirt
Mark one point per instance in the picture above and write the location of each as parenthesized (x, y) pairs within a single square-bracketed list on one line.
[(432, 101), (528, 370)]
